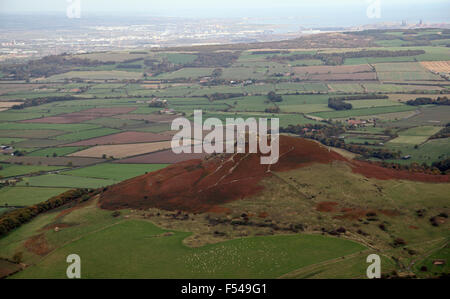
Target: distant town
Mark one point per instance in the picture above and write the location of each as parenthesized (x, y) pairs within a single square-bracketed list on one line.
[(92, 35)]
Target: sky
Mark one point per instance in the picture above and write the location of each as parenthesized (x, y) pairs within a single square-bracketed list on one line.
[(332, 12)]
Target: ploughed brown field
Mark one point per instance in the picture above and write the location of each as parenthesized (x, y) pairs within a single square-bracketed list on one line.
[(156, 118), (164, 157), (437, 66), (82, 116), (123, 138), (122, 150), (202, 184)]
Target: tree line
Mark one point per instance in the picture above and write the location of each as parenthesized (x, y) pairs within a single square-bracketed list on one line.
[(15, 218), (42, 101), (427, 101)]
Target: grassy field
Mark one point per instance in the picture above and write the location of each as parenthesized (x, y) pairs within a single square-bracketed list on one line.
[(56, 180), (41, 126), (117, 172), (55, 151), (24, 196), (372, 103), (364, 111), (8, 141), (443, 253), (187, 73), (166, 257), (416, 135), (77, 136), (8, 170), (428, 152), (430, 115)]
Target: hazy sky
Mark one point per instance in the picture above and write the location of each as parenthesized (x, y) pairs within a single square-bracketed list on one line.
[(338, 10)]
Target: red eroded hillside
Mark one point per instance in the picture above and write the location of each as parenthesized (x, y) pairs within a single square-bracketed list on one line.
[(200, 185)]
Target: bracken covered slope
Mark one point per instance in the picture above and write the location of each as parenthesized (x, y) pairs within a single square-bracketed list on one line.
[(201, 185)]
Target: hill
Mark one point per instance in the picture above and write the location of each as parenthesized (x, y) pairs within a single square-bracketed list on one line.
[(200, 185)]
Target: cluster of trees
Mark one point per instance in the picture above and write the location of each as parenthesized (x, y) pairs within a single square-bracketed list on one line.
[(158, 104), (361, 97), (42, 101), (339, 58), (274, 109), (443, 166), (224, 96), (17, 217), (48, 66), (158, 67), (339, 104), (275, 98), (427, 101), (217, 73)]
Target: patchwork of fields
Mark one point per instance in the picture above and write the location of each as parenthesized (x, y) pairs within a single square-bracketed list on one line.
[(95, 126)]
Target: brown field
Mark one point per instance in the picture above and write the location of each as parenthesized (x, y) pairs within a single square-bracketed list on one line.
[(157, 118), (123, 138), (7, 268), (437, 66), (71, 118), (9, 104), (122, 150), (54, 161), (164, 157), (151, 86), (339, 69), (9, 87), (82, 116)]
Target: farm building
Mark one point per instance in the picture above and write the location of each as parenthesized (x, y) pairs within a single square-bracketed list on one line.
[(439, 262)]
